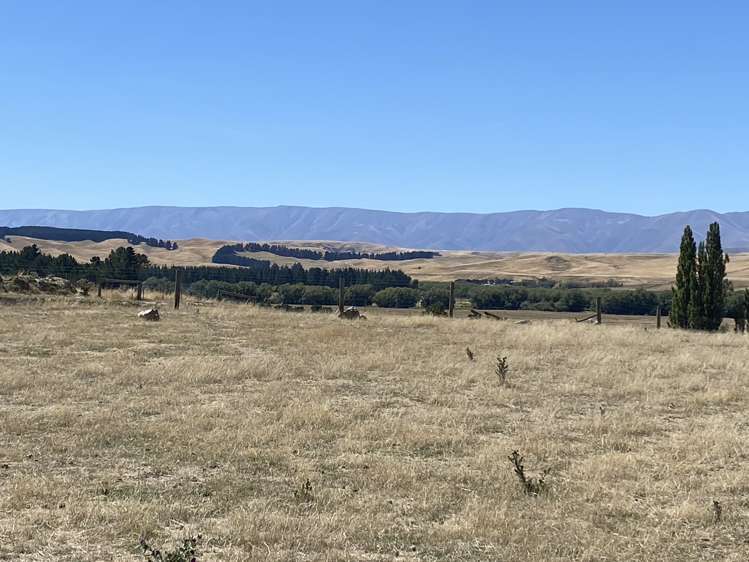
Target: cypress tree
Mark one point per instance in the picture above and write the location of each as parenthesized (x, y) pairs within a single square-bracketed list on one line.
[(696, 312), (714, 295), (685, 280)]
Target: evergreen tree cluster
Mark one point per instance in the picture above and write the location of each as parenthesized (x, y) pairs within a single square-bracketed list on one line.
[(122, 263), (125, 263), (80, 235), (699, 294), (261, 271), (227, 254)]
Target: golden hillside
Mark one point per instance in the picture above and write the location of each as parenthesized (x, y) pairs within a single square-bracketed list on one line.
[(649, 270)]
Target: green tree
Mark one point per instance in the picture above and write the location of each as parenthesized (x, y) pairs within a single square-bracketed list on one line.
[(124, 263), (317, 295), (639, 301), (435, 299), (396, 297), (714, 295), (736, 308), (685, 280), (696, 311), (291, 294), (707, 299), (359, 295), (158, 284), (573, 301), (30, 254)]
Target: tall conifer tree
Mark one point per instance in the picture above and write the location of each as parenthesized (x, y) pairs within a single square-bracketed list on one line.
[(714, 295), (685, 280), (697, 314)]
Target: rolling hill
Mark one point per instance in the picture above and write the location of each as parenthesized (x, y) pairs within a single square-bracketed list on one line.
[(563, 230), (653, 271)]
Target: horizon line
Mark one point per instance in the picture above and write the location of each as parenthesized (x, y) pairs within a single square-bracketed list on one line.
[(338, 207)]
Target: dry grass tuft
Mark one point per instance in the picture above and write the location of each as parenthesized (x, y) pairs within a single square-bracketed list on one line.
[(208, 423)]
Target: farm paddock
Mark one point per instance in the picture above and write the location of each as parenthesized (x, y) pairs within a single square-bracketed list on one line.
[(281, 436)]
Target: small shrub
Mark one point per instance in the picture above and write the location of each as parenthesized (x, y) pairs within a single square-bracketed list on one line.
[(531, 486), (185, 552), (84, 287), (435, 309), (469, 353), (502, 369), (304, 493), (717, 511)]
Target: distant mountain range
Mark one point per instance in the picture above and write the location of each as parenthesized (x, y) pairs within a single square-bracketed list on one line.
[(563, 230)]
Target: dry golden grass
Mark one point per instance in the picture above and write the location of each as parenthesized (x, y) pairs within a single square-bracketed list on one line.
[(210, 420), (191, 252), (654, 271)]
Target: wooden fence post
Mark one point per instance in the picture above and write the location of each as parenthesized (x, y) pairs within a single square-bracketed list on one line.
[(98, 291), (340, 296), (177, 288), (139, 295), (658, 318), (451, 306), (598, 310)]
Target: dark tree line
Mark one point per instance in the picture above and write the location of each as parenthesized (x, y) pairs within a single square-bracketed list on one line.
[(435, 296), (79, 235), (259, 271), (122, 263), (229, 253), (126, 264), (634, 302), (355, 295)]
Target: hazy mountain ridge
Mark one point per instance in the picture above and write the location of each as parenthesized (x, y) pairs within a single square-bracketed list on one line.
[(562, 230)]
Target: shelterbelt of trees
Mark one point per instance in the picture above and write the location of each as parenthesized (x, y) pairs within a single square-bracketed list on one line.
[(79, 235), (435, 296), (127, 264), (229, 254)]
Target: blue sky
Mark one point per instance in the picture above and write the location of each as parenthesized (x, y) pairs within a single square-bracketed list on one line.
[(639, 106)]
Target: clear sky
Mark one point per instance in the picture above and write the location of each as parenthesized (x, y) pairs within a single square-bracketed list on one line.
[(631, 105)]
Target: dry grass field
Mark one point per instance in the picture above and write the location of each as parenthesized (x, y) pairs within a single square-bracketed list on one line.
[(190, 252), (653, 271), (211, 422)]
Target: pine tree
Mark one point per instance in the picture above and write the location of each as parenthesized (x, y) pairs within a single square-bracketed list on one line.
[(714, 295), (685, 280)]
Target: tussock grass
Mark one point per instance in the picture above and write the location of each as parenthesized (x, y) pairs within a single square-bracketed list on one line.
[(279, 437)]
